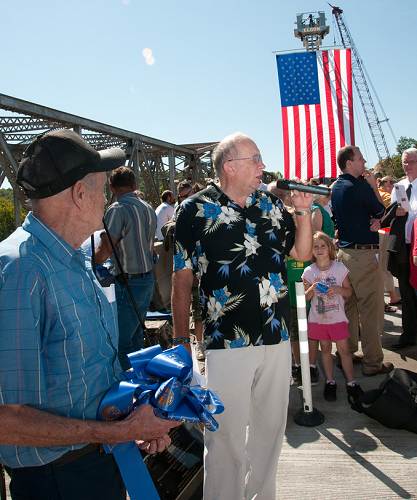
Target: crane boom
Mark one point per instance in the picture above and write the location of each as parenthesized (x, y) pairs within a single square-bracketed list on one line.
[(365, 97)]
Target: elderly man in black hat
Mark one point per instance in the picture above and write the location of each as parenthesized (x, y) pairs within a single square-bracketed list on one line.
[(58, 335)]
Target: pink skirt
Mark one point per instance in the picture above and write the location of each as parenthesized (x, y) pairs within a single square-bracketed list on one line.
[(333, 332)]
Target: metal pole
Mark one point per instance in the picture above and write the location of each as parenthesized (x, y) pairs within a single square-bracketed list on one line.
[(171, 163), (307, 416)]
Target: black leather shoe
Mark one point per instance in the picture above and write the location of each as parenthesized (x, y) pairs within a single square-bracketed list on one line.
[(402, 345)]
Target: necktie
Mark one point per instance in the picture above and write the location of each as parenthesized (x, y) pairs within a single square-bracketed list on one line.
[(408, 190)]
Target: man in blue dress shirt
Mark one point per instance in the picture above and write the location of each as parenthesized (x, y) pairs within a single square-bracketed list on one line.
[(58, 336), (357, 205)]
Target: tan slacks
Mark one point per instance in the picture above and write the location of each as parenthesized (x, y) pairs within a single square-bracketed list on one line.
[(365, 307), (241, 457)]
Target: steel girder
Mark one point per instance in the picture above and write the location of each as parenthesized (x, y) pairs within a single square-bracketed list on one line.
[(159, 163)]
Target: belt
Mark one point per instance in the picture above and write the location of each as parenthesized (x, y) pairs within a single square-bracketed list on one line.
[(68, 457), (359, 246), (121, 277), (73, 455)]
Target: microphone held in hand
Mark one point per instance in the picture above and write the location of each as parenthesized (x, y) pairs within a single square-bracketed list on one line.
[(306, 188)]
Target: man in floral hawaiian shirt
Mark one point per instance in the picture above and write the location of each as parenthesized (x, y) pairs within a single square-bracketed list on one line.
[(236, 238)]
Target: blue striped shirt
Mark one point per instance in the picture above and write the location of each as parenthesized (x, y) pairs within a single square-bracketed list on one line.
[(58, 333)]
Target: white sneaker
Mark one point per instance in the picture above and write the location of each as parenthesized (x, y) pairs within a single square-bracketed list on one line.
[(200, 351)]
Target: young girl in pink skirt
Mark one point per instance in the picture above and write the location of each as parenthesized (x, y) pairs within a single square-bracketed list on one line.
[(327, 285)]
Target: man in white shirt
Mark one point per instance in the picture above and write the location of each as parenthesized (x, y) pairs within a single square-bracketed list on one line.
[(408, 296), (164, 212)]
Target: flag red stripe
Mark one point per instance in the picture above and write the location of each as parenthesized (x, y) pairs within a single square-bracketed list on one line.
[(286, 145), (339, 97), (329, 126), (309, 144), (350, 94), (320, 141), (297, 142), (330, 119)]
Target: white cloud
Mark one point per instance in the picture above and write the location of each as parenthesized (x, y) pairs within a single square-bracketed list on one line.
[(148, 56)]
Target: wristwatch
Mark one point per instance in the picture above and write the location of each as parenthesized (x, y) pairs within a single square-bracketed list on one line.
[(302, 212)]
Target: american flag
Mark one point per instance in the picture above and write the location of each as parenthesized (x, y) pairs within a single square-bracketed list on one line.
[(317, 110)]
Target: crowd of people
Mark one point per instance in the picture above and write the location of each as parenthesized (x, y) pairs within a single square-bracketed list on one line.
[(239, 247)]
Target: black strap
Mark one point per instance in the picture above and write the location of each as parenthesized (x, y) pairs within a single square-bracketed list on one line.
[(93, 255)]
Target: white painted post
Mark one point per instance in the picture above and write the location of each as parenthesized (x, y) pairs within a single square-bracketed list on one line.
[(304, 351)]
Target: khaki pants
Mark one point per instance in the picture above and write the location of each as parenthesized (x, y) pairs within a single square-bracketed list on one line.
[(241, 457), (365, 307)]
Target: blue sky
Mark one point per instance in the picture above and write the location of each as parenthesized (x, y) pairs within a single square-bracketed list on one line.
[(214, 71)]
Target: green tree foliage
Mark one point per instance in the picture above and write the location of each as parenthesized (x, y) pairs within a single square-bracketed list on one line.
[(6, 194), (405, 143), (7, 224), (393, 166)]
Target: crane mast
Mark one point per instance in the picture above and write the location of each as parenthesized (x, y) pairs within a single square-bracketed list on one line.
[(365, 97)]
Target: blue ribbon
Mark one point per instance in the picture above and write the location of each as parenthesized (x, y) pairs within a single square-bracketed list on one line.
[(161, 379)]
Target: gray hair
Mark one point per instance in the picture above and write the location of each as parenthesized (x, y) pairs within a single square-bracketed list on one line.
[(410, 151), (226, 149)]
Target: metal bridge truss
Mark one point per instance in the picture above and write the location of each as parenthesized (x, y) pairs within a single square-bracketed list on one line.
[(158, 164)]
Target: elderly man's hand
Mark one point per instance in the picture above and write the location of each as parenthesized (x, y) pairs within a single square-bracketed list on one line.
[(143, 425), (301, 200), (155, 445)]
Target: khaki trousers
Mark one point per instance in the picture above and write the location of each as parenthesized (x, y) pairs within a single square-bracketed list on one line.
[(365, 307), (241, 457)]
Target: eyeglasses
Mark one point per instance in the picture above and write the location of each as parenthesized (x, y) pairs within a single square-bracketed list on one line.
[(256, 158)]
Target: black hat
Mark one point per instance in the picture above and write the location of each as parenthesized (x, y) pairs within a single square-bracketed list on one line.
[(58, 159)]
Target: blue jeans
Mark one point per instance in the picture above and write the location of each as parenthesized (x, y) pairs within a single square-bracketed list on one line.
[(130, 328)]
